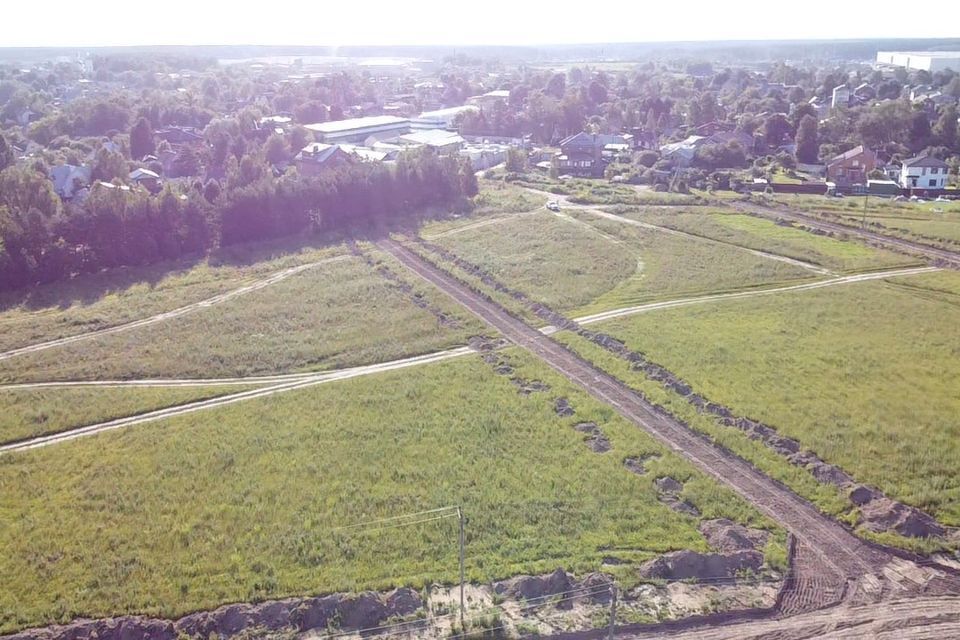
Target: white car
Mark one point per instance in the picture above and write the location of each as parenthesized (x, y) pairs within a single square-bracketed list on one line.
[(553, 206)]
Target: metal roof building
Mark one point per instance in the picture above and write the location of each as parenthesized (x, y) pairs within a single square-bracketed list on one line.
[(359, 129)]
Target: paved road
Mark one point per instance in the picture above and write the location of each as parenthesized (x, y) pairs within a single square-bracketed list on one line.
[(168, 315), (839, 552), (917, 248)]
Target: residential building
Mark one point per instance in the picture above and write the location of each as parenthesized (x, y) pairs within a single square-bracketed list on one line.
[(931, 61), (682, 152), (317, 157), (359, 129), (146, 178), (490, 98), (924, 172), (484, 155), (585, 154), (69, 179), (851, 167), (179, 135), (441, 118), (864, 93), (840, 97)]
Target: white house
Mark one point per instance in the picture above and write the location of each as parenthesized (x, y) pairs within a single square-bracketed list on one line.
[(841, 97), (923, 172)]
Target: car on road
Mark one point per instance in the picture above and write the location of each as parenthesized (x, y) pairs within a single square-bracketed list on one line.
[(553, 206)]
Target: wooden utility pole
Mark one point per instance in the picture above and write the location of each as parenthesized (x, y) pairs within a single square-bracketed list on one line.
[(463, 628), (613, 610)]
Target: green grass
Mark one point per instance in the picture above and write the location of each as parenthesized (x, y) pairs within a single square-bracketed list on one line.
[(498, 200), (675, 266), (27, 413), (602, 192), (335, 315), (864, 375), (761, 234), (96, 301), (935, 223), (551, 260), (242, 502)]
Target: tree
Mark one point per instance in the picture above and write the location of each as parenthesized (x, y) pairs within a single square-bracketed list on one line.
[(187, 163), (945, 130), (141, 139), (516, 160), (919, 131), (775, 129), (109, 165), (806, 140), (7, 157), (276, 149)]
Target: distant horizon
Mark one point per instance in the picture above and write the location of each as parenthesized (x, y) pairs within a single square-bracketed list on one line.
[(110, 23)]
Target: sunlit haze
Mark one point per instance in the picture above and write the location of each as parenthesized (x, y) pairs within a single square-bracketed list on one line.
[(497, 22)]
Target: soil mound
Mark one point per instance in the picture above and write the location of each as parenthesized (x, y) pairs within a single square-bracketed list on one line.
[(727, 536), (563, 408), (530, 587), (884, 514), (684, 565)]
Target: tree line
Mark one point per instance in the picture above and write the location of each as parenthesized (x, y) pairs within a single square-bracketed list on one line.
[(43, 240)]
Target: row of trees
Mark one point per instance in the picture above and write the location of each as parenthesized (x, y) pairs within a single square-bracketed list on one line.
[(42, 240)]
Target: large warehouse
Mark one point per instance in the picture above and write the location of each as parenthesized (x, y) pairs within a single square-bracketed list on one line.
[(931, 61), (359, 129)]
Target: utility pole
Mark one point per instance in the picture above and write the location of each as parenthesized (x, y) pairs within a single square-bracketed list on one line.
[(463, 628), (613, 610), (866, 196)]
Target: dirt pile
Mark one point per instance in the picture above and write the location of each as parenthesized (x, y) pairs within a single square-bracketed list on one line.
[(637, 464), (562, 408), (595, 438), (884, 514), (685, 565), (350, 612), (669, 491), (530, 587), (727, 536)]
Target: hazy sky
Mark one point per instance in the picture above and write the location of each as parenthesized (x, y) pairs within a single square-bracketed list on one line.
[(344, 22)]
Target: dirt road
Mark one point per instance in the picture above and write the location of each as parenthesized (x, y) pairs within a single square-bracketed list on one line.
[(168, 315), (836, 555), (917, 248), (297, 383)]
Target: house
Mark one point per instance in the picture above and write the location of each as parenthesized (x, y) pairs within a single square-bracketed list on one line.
[(68, 179), (317, 157), (484, 155), (179, 135), (745, 140), (864, 93), (840, 97), (146, 178), (892, 171), (582, 155), (851, 167), (682, 152), (924, 172), (490, 98)]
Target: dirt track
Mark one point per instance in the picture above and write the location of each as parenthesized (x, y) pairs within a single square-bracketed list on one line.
[(900, 244), (849, 568), (168, 315)]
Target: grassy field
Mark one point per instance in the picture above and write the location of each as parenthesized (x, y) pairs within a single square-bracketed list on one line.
[(600, 191), (27, 413), (865, 375), (335, 315), (676, 266), (591, 265), (244, 502), (552, 260), (761, 234), (932, 222), (96, 301)]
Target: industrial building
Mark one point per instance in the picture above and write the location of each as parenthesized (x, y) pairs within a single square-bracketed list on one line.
[(931, 61), (359, 129), (440, 119)]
